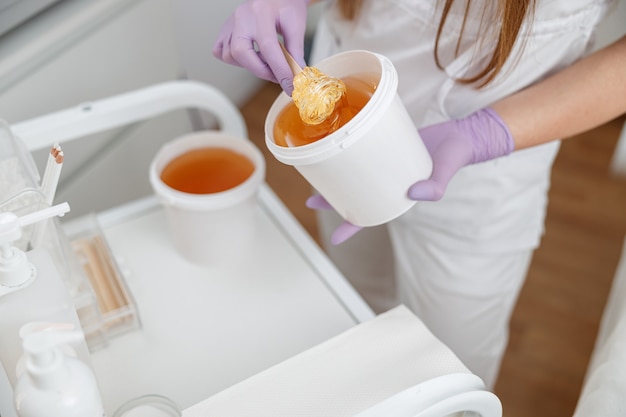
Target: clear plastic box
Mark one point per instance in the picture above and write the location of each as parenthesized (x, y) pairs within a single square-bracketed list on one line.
[(102, 300), (105, 305)]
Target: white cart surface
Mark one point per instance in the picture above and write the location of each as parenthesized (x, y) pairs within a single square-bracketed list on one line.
[(204, 329)]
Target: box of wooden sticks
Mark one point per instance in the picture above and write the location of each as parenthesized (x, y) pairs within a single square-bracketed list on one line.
[(104, 303)]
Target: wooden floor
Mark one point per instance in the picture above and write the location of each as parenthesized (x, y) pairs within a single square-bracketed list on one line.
[(554, 326)]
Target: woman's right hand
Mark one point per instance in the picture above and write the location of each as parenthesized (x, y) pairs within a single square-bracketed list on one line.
[(249, 38)]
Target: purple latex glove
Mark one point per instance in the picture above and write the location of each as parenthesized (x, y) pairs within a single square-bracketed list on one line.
[(479, 137), (249, 38)]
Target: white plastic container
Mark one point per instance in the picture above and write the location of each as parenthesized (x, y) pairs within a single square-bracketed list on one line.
[(149, 406), (54, 384), (215, 228), (365, 168)]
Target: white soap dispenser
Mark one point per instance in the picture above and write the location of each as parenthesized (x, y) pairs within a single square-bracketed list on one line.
[(16, 271), (52, 383)]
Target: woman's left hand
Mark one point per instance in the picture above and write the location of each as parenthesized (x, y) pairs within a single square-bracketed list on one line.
[(453, 144)]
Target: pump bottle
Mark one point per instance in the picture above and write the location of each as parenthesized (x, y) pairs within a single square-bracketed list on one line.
[(52, 383), (31, 288)]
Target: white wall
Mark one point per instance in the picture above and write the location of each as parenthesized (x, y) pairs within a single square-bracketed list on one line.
[(198, 23), (82, 51)]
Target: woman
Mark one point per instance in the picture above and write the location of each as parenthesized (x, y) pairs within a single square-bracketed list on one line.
[(464, 68)]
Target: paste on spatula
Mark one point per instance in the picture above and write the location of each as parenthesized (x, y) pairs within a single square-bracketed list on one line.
[(316, 94)]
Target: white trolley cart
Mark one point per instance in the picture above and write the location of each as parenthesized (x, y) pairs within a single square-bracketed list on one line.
[(210, 337)]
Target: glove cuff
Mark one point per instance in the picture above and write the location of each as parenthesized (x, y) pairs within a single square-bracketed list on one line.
[(490, 136)]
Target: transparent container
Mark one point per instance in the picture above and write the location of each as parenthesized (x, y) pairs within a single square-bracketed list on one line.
[(149, 406), (77, 261), (105, 305), (19, 181)]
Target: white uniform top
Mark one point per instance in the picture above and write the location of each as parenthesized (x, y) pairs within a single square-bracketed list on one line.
[(494, 206)]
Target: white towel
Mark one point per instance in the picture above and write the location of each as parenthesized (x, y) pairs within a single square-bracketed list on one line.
[(342, 376)]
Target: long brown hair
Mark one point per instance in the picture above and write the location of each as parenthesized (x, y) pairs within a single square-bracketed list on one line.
[(509, 18)]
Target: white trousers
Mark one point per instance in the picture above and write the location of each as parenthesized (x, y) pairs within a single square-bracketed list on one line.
[(465, 299)]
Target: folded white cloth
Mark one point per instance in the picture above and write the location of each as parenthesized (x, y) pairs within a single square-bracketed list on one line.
[(604, 390), (342, 376)]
